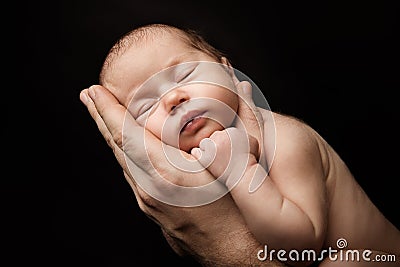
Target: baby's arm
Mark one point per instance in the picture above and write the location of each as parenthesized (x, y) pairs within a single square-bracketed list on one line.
[(288, 211)]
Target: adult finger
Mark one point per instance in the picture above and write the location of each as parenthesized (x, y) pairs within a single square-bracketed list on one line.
[(254, 146), (247, 110), (110, 116), (111, 112), (104, 130), (121, 130), (144, 154), (250, 117)]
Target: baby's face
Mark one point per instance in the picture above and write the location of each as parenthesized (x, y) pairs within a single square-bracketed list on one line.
[(178, 93)]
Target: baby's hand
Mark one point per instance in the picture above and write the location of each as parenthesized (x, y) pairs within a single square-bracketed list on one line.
[(227, 154)]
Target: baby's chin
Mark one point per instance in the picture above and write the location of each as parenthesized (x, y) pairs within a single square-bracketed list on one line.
[(187, 146)]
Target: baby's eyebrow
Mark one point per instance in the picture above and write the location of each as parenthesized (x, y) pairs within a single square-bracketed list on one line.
[(134, 94), (179, 58), (171, 62)]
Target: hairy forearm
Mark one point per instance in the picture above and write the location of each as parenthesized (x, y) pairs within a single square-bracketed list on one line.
[(227, 242), (239, 250)]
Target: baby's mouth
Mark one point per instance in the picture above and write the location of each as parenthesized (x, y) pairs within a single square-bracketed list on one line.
[(193, 121)]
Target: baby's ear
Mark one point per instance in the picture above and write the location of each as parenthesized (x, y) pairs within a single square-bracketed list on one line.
[(226, 62)]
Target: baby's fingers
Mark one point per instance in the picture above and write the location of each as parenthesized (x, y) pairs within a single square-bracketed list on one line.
[(205, 153)]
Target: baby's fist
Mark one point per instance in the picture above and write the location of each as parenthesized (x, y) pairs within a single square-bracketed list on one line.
[(226, 154)]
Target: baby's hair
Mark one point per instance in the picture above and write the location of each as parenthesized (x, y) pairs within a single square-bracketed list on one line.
[(146, 32)]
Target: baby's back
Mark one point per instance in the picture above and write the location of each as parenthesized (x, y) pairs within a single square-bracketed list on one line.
[(352, 215)]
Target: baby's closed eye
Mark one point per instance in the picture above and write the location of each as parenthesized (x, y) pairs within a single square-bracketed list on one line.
[(145, 106), (183, 76), (184, 72)]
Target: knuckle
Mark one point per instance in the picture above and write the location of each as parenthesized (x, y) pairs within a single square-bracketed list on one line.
[(146, 201), (216, 135), (117, 137), (206, 140), (179, 181), (220, 136), (231, 134), (109, 140), (174, 179), (166, 181), (143, 207), (232, 130)]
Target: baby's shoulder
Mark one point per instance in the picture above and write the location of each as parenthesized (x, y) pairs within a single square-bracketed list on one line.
[(289, 134), (287, 125)]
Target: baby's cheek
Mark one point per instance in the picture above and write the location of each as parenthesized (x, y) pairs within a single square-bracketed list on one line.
[(152, 126), (141, 121)]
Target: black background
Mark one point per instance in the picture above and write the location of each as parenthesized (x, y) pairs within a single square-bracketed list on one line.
[(332, 64)]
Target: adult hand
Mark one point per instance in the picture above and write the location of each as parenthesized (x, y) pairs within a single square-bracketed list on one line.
[(252, 121), (215, 234)]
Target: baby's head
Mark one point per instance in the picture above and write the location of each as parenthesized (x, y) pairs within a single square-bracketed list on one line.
[(173, 83)]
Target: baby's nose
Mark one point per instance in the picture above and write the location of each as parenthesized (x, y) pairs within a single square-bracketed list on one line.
[(174, 98)]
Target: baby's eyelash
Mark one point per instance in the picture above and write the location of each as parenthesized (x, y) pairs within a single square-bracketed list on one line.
[(185, 76), (147, 107)]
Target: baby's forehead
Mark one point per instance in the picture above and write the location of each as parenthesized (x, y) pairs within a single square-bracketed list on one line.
[(156, 35)]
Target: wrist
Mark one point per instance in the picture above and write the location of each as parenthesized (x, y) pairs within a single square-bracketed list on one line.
[(240, 171)]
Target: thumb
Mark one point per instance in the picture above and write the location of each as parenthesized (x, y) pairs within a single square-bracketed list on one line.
[(248, 113), (250, 116), (245, 91)]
